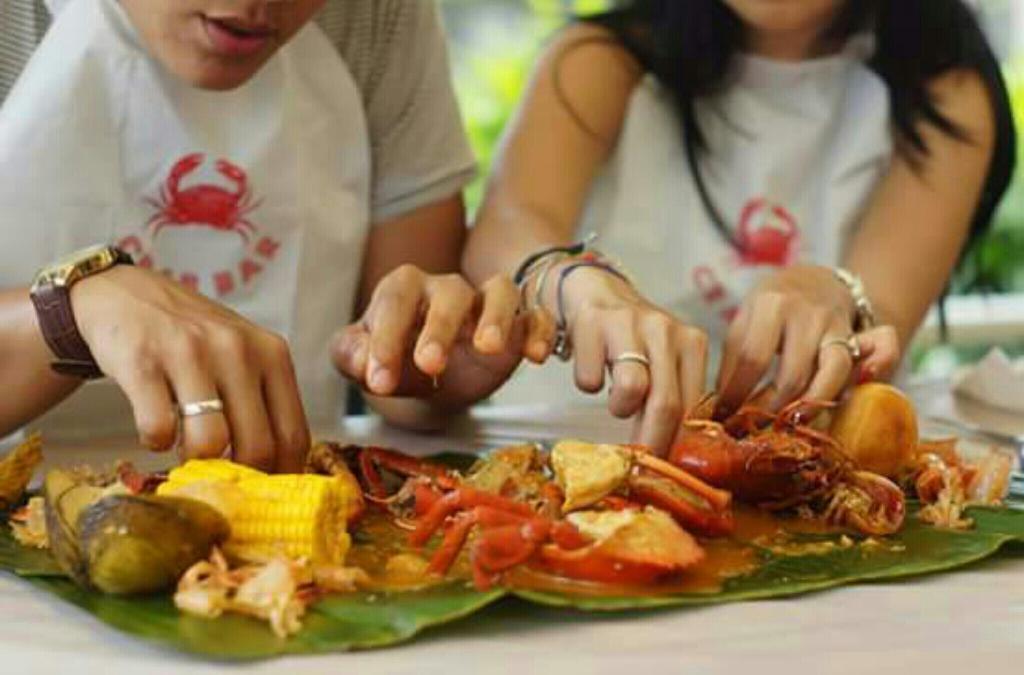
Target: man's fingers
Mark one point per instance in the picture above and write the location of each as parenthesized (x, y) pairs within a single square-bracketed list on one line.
[(203, 435), (393, 313), (450, 301), (152, 404), (281, 392), (252, 438), (350, 352)]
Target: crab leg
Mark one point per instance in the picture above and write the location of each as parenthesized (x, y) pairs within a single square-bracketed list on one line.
[(462, 499), (454, 540), (712, 523), (371, 458), (720, 500)]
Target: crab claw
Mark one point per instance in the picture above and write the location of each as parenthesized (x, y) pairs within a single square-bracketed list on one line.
[(869, 503), (590, 474), (631, 547)]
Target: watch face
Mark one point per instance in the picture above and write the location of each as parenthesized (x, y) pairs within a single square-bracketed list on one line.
[(77, 266)]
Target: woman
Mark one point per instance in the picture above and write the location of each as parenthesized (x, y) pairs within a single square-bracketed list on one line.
[(732, 154), (272, 179)]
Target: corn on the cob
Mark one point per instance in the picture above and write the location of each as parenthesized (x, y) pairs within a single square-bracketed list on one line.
[(299, 516)]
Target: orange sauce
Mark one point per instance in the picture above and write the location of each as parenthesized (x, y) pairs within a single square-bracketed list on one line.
[(378, 542)]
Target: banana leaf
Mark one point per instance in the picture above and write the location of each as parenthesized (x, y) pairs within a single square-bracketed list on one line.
[(338, 623), (364, 621)]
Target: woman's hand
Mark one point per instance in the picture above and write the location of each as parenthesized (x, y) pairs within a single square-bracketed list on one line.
[(607, 319), (802, 314), (434, 337), (165, 345)]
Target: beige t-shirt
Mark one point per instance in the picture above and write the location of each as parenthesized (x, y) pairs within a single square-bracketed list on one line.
[(397, 53)]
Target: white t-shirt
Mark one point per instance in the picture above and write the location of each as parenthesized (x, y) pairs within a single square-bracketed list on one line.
[(259, 197), (794, 152)]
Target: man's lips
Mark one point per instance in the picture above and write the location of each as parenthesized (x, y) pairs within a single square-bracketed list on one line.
[(233, 37)]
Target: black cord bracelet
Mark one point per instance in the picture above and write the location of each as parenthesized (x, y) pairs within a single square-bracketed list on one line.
[(563, 347)]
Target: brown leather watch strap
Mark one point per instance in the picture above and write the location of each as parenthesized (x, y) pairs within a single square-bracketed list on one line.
[(59, 329)]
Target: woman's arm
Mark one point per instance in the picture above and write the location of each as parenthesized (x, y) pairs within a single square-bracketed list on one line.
[(31, 387), (568, 125), (905, 251), (918, 221)]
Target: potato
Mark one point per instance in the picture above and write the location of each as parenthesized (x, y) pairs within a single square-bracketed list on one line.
[(877, 427), (137, 544), (126, 544)]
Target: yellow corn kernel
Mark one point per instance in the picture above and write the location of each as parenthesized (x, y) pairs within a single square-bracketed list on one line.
[(211, 470)]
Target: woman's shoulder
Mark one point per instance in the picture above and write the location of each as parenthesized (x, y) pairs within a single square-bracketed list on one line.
[(592, 75)]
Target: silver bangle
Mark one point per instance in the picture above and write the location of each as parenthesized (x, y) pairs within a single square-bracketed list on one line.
[(865, 311)]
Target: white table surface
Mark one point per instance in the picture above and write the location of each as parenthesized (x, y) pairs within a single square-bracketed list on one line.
[(970, 621)]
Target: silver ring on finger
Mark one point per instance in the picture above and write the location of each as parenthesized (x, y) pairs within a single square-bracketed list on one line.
[(632, 357), (200, 408), (850, 344)]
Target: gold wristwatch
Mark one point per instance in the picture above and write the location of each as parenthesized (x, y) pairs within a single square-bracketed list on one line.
[(51, 295), (865, 311)]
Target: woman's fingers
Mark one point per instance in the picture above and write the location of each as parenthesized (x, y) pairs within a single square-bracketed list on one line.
[(880, 354), (631, 378), (663, 409), (451, 301), (800, 343), (540, 335), (750, 347), (500, 305), (590, 357), (835, 363), (693, 365)]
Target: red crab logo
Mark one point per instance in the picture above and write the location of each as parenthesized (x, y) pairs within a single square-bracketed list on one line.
[(204, 205), (767, 235)]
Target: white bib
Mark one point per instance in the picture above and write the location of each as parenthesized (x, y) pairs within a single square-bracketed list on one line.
[(794, 152), (256, 197)]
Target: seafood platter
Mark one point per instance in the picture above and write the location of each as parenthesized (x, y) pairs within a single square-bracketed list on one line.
[(371, 545)]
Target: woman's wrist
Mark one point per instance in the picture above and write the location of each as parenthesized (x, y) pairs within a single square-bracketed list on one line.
[(579, 285)]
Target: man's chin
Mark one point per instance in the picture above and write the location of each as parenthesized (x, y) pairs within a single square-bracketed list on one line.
[(221, 76)]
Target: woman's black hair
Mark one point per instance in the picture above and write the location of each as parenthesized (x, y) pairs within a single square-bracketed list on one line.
[(688, 45)]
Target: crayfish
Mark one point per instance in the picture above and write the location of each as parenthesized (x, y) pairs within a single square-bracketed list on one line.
[(777, 462)]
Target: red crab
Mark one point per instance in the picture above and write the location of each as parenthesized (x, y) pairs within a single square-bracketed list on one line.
[(204, 205), (767, 235)]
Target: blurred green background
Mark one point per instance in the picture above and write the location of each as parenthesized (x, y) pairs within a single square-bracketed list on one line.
[(495, 42)]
